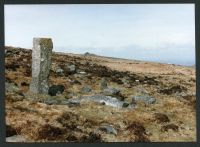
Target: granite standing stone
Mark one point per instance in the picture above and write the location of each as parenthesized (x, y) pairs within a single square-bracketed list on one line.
[(41, 64)]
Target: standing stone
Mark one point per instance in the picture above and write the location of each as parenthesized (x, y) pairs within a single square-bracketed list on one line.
[(41, 64)]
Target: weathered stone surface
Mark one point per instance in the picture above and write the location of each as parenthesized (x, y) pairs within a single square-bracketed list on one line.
[(107, 100), (41, 63), (108, 129), (86, 89), (111, 91), (144, 98)]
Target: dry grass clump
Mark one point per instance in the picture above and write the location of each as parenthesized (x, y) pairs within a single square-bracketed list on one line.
[(10, 131), (169, 126), (50, 132), (139, 132), (161, 118)]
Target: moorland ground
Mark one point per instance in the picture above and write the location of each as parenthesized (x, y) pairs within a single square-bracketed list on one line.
[(158, 100)]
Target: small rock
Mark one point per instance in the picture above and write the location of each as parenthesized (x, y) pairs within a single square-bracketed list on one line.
[(74, 102), (108, 129), (102, 103), (111, 91), (108, 100), (59, 71), (70, 69), (125, 104), (137, 81), (145, 98), (86, 89), (82, 72), (56, 101), (51, 101), (56, 89)]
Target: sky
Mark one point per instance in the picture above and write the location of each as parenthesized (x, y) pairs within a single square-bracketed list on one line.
[(152, 32)]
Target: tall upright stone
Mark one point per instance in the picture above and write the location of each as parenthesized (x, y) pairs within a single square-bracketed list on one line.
[(41, 64)]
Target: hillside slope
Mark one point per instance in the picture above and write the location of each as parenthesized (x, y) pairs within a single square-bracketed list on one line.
[(103, 100)]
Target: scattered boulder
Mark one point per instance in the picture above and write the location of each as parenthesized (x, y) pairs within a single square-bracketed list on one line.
[(107, 100), (144, 98), (59, 71), (56, 89)]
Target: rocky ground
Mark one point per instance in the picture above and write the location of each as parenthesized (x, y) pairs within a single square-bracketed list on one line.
[(100, 99)]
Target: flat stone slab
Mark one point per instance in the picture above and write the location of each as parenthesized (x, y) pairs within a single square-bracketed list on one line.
[(107, 100), (16, 138), (144, 98)]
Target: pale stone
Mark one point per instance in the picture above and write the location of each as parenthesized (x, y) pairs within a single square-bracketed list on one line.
[(41, 64)]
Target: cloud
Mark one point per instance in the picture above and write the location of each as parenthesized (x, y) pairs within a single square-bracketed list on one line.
[(137, 31)]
